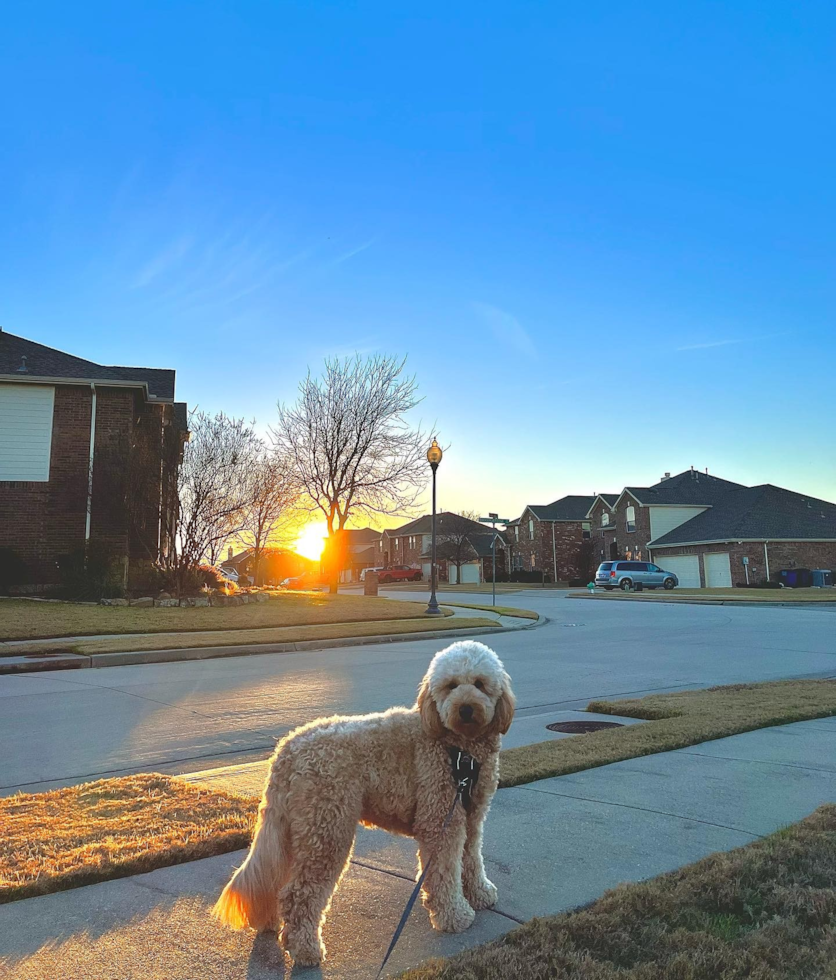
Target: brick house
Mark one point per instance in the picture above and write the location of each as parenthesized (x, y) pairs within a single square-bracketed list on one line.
[(623, 528), (362, 548), (702, 527), (276, 564), (411, 544), (750, 536), (556, 538), (76, 439)]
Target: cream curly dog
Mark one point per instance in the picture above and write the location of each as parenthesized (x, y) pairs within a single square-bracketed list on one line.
[(390, 770)]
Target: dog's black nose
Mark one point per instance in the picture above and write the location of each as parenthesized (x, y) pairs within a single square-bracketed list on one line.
[(466, 712)]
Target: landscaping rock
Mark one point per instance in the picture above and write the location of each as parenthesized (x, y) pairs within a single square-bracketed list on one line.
[(143, 603), (164, 595), (236, 600), (244, 599), (261, 597), (166, 603), (202, 600), (187, 601), (218, 600)]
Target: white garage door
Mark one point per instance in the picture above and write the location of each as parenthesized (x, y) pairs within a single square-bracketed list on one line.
[(685, 567), (717, 571)]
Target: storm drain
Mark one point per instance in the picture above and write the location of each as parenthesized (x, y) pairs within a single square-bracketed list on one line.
[(582, 727)]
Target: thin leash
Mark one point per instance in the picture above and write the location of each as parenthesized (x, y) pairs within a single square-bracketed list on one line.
[(464, 786)]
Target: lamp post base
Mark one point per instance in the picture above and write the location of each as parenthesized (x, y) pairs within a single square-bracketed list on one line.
[(433, 607)]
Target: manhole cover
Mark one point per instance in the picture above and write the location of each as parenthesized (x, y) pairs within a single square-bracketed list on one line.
[(582, 727)]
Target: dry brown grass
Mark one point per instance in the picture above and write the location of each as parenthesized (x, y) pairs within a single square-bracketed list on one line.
[(499, 610), (675, 721), (112, 828), (764, 911), (224, 638), (22, 619)]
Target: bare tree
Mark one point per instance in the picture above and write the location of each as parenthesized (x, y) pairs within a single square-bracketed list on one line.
[(212, 491), (350, 443), (455, 536), (270, 517)]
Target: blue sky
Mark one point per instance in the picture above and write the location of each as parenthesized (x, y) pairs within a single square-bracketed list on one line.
[(603, 233)]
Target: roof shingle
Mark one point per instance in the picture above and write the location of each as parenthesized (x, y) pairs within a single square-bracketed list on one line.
[(46, 362)]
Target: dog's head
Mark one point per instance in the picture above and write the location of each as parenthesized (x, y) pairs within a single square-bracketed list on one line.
[(466, 691)]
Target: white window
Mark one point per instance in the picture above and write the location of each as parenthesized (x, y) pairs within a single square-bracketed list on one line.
[(516, 532), (587, 530), (605, 519), (630, 514), (25, 431), (531, 529)]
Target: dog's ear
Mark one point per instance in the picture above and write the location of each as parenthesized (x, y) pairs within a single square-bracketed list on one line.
[(430, 718), (503, 712)]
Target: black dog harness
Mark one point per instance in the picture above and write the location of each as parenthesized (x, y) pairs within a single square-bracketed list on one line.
[(465, 772)]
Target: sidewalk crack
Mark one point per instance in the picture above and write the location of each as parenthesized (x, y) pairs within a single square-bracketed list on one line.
[(642, 809)]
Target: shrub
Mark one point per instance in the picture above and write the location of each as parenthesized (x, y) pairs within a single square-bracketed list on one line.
[(13, 570), (190, 581), (96, 575)]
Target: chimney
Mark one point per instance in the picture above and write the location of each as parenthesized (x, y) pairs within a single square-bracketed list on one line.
[(229, 553), (667, 476), (706, 471)]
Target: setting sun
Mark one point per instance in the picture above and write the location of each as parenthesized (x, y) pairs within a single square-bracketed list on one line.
[(311, 541)]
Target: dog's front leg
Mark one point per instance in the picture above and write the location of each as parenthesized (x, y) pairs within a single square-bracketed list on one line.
[(478, 889), (442, 892)]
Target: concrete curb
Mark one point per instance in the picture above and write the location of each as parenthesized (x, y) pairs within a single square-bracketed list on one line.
[(131, 658), (696, 601)]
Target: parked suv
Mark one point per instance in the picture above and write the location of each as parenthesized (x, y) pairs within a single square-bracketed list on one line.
[(400, 573), (627, 574)]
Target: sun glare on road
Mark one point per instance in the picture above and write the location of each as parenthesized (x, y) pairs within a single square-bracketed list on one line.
[(311, 541)]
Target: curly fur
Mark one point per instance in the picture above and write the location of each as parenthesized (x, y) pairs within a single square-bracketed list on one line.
[(389, 770)]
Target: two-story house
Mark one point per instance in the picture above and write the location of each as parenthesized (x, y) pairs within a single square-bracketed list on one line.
[(555, 538), (77, 441)]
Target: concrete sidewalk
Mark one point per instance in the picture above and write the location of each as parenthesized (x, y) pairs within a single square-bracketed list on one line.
[(550, 846)]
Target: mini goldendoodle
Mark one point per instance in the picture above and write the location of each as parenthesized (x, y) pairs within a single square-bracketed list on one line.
[(391, 770)]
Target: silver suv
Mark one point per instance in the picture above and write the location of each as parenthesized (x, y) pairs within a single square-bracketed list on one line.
[(627, 574)]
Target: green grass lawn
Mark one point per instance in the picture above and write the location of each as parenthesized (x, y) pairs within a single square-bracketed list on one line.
[(766, 911), (22, 619), (674, 721)]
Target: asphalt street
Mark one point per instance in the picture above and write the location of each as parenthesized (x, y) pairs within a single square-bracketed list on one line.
[(69, 726)]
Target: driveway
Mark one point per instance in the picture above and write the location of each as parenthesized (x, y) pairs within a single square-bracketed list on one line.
[(69, 726)]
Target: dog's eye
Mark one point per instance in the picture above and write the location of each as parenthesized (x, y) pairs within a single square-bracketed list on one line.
[(480, 685), (452, 686)]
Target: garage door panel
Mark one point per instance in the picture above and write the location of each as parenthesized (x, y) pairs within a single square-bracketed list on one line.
[(685, 567), (718, 571)]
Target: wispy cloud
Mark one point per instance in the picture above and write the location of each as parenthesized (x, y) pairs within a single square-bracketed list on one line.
[(711, 343), (506, 328), (354, 251), (163, 261), (727, 343)]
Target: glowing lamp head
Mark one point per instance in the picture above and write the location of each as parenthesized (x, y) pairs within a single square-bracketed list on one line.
[(434, 454)]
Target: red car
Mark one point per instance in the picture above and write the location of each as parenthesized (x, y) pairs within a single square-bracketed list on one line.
[(401, 573)]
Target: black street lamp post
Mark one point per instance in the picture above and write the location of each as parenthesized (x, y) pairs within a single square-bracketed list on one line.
[(434, 455)]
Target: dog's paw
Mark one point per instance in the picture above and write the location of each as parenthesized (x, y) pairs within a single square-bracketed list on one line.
[(482, 894), (455, 918)]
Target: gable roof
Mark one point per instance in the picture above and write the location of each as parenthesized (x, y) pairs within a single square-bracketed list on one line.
[(423, 525), (572, 508), (762, 513), (362, 535), (690, 487), (44, 363)]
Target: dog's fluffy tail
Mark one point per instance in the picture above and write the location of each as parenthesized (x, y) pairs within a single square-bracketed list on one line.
[(250, 898)]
